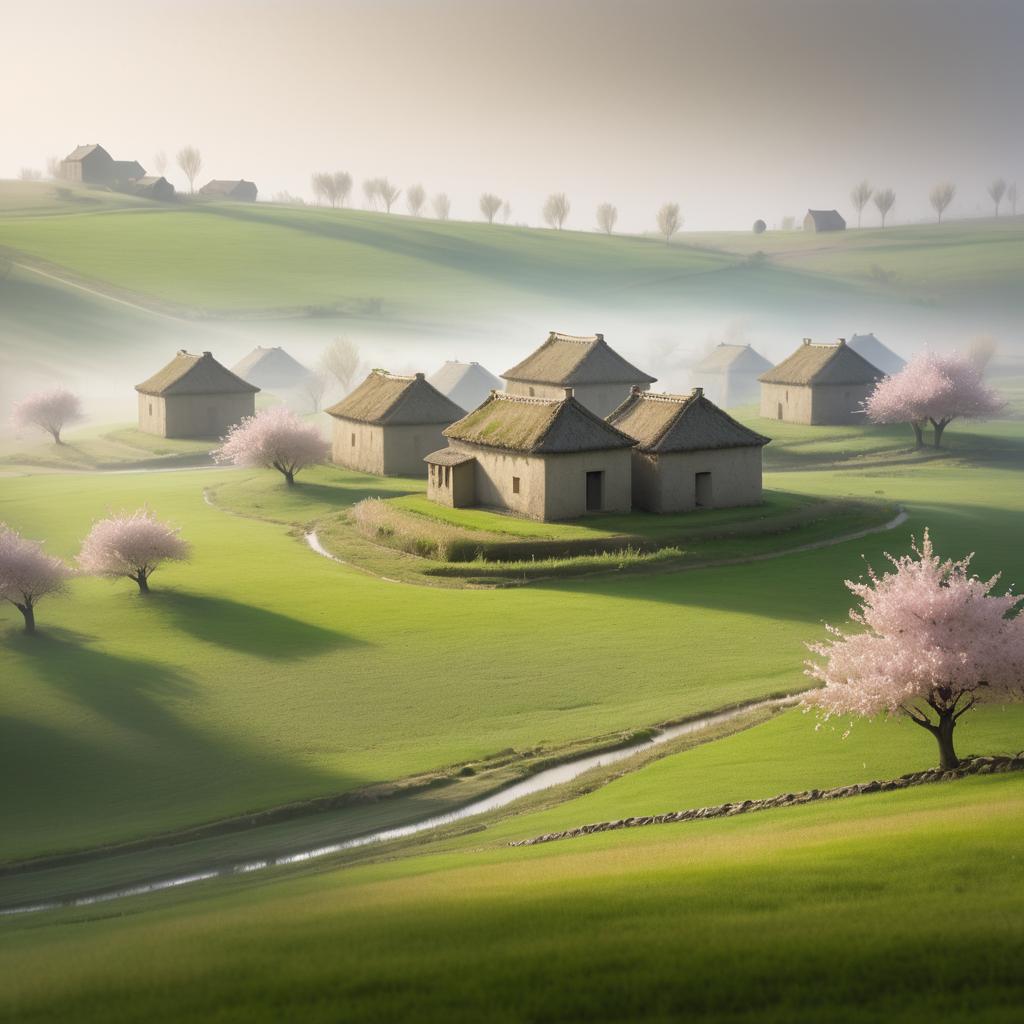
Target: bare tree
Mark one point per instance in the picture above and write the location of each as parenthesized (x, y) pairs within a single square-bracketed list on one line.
[(388, 193), (415, 197), (1011, 197), (371, 191), (54, 168), (996, 192), (321, 184), (341, 361), (607, 215), (341, 182), (859, 196), (788, 223), (669, 221), (884, 199), (191, 163), (30, 174), (556, 210), (160, 162), (315, 387), (941, 196), (490, 204), (442, 206), (506, 212)]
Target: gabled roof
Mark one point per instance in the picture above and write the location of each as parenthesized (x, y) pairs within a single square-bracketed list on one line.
[(271, 367), (876, 353), (81, 152), (724, 358), (540, 426), (218, 186), (188, 374), (388, 399), (466, 384), (565, 359), (449, 457), (826, 220), (149, 179), (681, 423), (812, 363), (129, 169)]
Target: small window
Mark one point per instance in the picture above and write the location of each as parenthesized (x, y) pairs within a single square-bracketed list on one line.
[(532, 392), (353, 440), (515, 485), (787, 396), (150, 408), (447, 476)]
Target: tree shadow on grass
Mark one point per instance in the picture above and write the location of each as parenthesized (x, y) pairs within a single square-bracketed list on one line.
[(344, 495), (247, 628)]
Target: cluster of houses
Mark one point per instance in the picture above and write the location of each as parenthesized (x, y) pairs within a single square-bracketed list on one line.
[(572, 429), (93, 165)]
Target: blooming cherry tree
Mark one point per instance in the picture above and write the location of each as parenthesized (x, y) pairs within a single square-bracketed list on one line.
[(28, 574), (935, 641), (50, 410), (131, 545), (276, 438), (932, 389)]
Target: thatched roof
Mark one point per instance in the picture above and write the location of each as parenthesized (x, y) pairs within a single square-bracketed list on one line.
[(81, 152), (449, 457), (725, 358), (388, 399), (681, 423), (565, 359), (825, 220), (812, 363), (187, 374), (271, 368), (876, 353), (540, 426), (466, 384)]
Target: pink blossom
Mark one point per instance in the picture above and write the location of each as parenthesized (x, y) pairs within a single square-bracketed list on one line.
[(132, 545), (49, 410), (28, 574), (935, 640), (933, 388), (276, 438)]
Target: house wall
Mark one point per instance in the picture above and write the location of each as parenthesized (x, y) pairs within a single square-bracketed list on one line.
[(817, 405), (452, 485), (197, 416), (385, 450), (601, 399), (566, 482), (796, 402), (667, 483)]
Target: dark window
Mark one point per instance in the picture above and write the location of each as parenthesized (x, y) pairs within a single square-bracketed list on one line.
[(780, 411), (515, 485), (595, 491), (531, 392), (447, 476), (702, 490), (150, 408), (353, 440)]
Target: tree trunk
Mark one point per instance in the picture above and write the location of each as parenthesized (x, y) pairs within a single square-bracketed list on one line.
[(289, 477), (944, 735), (143, 581), (56, 435), (939, 426), (918, 435), (30, 617)]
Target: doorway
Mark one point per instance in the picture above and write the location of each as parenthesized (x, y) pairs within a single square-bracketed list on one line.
[(780, 412), (702, 490), (595, 491)]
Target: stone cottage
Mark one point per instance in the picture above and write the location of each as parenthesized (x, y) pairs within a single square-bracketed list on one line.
[(542, 458), (390, 423), (93, 165), (271, 369), (153, 186), (819, 384), (728, 374), (824, 220), (240, 191), (599, 377), (194, 396), (689, 453), (466, 384)]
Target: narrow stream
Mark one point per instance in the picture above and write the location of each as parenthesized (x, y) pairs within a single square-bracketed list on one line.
[(534, 784)]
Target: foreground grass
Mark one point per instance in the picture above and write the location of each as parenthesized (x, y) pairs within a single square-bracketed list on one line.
[(825, 912)]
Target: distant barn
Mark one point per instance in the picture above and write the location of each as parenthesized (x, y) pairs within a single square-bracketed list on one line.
[(93, 165), (241, 191), (271, 369), (153, 187), (728, 374), (876, 353), (819, 384), (466, 384), (194, 396), (824, 220), (389, 424), (599, 377)]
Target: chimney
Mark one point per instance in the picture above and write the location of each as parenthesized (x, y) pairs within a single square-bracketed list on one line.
[(182, 352), (636, 390), (841, 341), (568, 392), (600, 337), (421, 376), (807, 341), (698, 392), (207, 355)]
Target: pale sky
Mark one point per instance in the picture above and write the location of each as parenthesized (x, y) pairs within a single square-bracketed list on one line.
[(735, 109)]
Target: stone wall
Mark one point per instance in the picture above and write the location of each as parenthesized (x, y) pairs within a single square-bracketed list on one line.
[(667, 483), (195, 416)]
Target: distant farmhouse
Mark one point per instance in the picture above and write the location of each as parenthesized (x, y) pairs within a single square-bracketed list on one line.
[(194, 396), (689, 454), (241, 191), (824, 220), (466, 384), (390, 423), (153, 187), (728, 374), (818, 384), (600, 378), (93, 165), (271, 369), (544, 458), (876, 353)]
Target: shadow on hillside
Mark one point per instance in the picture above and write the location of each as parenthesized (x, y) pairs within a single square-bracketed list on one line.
[(247, 628), (345, 495)]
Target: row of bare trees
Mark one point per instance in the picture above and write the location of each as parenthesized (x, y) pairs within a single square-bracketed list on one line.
[(940, 197)]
